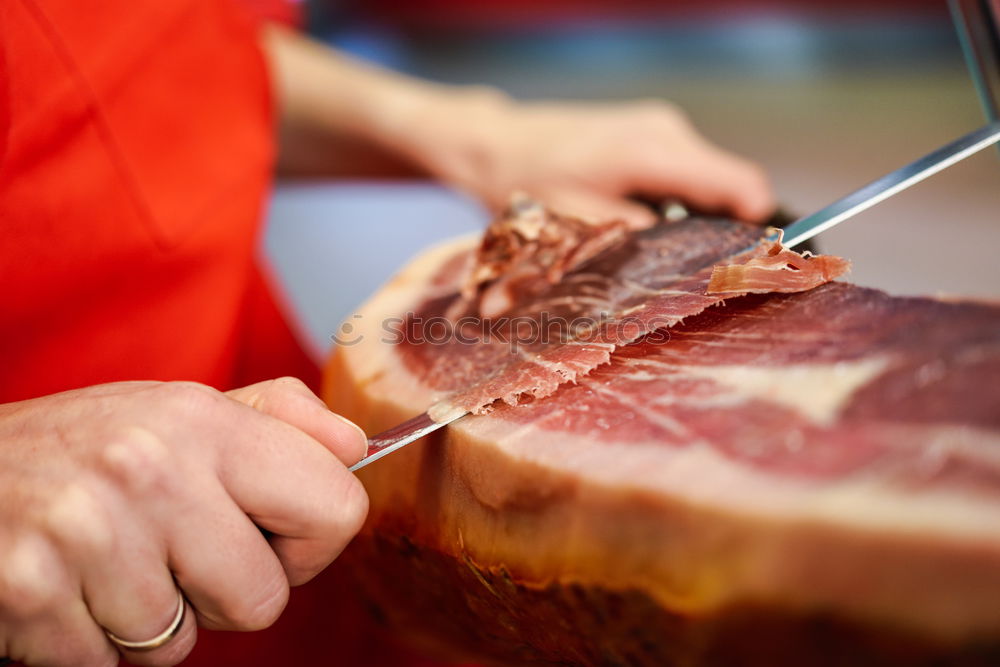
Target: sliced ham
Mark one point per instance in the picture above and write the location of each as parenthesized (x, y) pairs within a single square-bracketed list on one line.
[(778, 270), (663, 276), (808, 478), (528, 249)]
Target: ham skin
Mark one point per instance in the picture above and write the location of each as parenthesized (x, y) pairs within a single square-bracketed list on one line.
[(808, 478)]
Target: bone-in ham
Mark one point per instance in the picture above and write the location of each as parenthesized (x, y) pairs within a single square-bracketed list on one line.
[(807, 478)]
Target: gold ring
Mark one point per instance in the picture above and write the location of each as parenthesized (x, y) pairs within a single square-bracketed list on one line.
[(160, 639)]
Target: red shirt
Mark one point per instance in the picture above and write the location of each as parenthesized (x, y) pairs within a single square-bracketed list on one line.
[(135, 152), (138, 150)]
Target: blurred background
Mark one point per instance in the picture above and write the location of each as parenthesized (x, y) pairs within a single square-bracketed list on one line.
[(826, 95)]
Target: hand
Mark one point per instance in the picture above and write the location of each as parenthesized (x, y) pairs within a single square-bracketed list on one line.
[(343, 117), (114, 495), (583, 159)]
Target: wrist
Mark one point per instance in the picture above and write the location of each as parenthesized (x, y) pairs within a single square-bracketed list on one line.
[(450, 132), (453, 133)]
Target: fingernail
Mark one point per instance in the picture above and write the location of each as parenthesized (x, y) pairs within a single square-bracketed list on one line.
[(348, 422)]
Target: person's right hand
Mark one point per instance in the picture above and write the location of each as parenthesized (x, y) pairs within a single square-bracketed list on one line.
[(114, 495)]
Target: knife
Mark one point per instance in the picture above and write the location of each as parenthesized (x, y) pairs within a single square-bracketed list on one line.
[(794, 234)]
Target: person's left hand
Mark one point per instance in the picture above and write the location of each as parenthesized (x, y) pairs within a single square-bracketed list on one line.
[(583, 159)]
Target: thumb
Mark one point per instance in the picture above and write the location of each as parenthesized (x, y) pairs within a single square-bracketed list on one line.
[(290, 400), (706, 177), (588, 204)]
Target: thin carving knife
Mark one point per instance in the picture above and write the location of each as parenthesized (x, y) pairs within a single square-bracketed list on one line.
[(799, 231)]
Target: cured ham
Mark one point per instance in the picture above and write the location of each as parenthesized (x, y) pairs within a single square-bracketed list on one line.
[(777, 270), (806, 478), (528, 249), (664, 275)]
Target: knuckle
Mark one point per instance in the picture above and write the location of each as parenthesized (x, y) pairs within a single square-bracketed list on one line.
[(260, 611), (30, 579), (289, 383), (191, 397), (137, 459), (285, 388), (76, 519), (277, 390)]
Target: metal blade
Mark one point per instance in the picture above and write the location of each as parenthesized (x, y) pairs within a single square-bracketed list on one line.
[(891, 183), (400, 435)]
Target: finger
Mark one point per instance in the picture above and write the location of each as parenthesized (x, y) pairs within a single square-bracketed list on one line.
[(137, 603), (65, 637), (290, 485), (218, 556), (289, 400), (706, 177), (134, 596), (588, 204), (46, 621), (750, 195), (314, 508), (307, 554), (175, 650), (124, 578), (226, 568)]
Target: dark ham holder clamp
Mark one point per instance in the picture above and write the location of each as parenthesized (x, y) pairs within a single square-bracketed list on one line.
[(976, 22)]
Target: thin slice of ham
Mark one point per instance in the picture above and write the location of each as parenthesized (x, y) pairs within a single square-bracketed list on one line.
[(654, 294), (779, 270), (528, 249)]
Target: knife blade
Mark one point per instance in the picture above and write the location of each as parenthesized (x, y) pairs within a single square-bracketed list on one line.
[(400, 435), (892, 183), (799, 231)]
